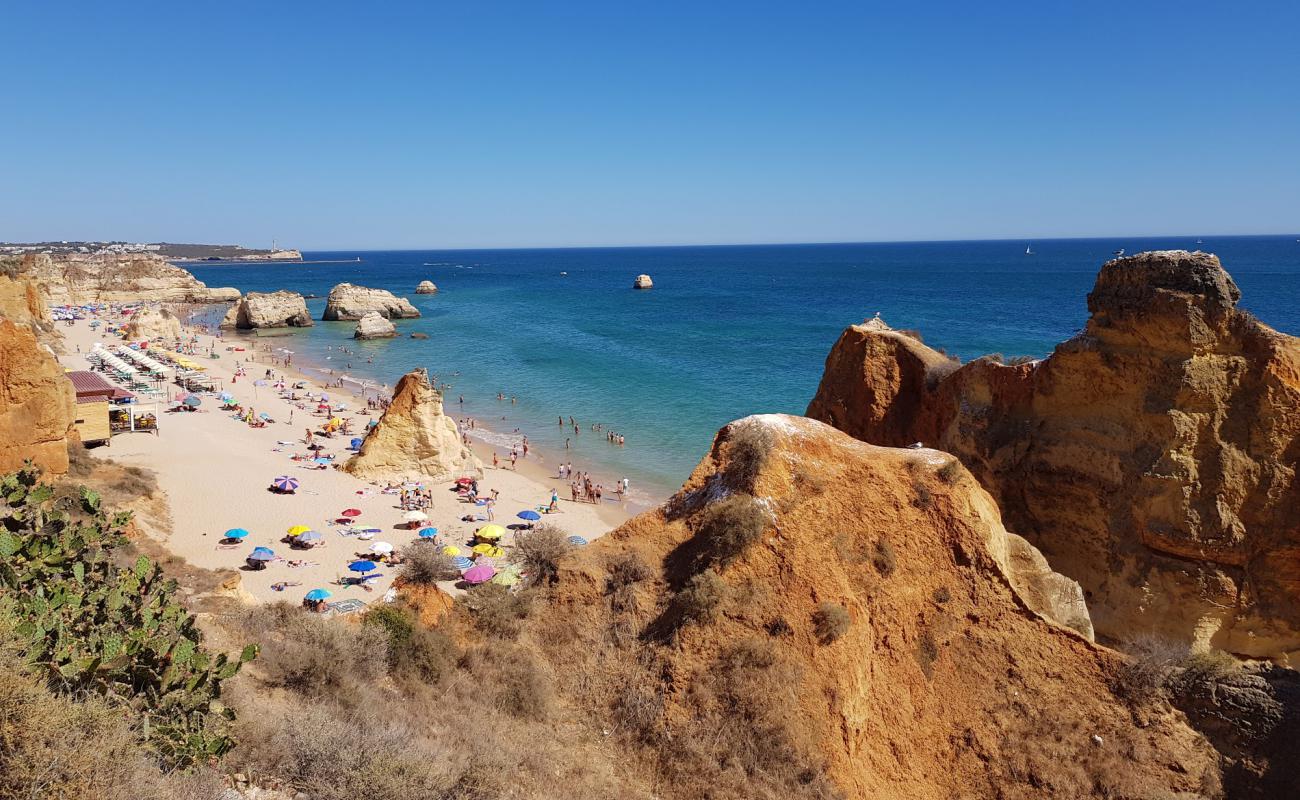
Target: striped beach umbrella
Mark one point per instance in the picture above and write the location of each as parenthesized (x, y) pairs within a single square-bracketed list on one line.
[(284, 483), (461, 562), (577, 540)]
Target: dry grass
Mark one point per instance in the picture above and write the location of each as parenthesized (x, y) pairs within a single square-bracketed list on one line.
[(495, 610), (830, 622), (701, 598), (729, 526), (883, 557), (747, 450)]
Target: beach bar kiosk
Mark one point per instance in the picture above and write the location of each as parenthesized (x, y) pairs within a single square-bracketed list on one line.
[(104, 409)]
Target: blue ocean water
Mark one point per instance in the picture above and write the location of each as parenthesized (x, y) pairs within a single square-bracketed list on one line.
[(727, 331)]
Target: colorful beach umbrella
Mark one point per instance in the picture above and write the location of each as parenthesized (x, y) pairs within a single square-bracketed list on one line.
[(428, 533), (193, 401), (451, 550), (285, 483), (381, 548), (261, 554), (351, 512), (319, 594), (225, 397), (577, 540), (461, 563), (508, 576), (236, 533), (487, 549), (479, 574), (298, 529), (416, 516), (362, 566), (491, 532), (355, 444), (531, 516)]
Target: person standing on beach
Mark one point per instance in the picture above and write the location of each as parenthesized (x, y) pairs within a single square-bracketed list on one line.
[(514, 459), (496, 462), (488, 504)]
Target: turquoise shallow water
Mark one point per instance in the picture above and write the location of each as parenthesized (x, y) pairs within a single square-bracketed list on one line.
[(726, 332)]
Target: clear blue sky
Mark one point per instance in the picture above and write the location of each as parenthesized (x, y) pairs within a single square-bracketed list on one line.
[(391, 125)]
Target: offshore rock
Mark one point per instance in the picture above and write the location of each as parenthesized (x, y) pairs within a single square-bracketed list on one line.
[(426, 287), (374, 326), (76, 279), (37, 403), (350, 302), (1152, 457), (940, 681), (280, 309), (413, 439), (153, 324), (643, 282)]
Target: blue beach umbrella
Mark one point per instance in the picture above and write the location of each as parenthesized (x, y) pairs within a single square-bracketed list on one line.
[(236, 533), (285, 484), (264, 415), (225, 397), (530, 515), (462, 563), (428, 533), (363, 566), (318, 594), (323, 460), (356, 444), (261, 554), (309, 536), (577, 540), (193, 401)]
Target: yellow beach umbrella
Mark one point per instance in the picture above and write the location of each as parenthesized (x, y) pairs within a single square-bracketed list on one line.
[(297, 529), (451, 550), (491, 532), (335, 421), (489, 550)]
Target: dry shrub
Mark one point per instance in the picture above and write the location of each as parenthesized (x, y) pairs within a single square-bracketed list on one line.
[(540, 552), (426, 565), (779, 627), (1016, 361), (56, 747), (747, 450), (731, 525), (701, 597), (316, 657), (81, 464), (924, 499), (927, 652), (1207, 666), (883, 557), (495, 610), (830, 621), (1145, 674), (415, 652), (950, 472), (626, 569), (941, 595), (510, 679), (935, 374)]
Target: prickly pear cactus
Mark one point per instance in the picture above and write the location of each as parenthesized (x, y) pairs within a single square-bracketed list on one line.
[(96, 626)]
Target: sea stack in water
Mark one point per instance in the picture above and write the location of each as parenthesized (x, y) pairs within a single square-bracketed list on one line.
[(414, 439), (268, 310), (351, 302), (426, 287), (374, 326), (1152, 457), (152, 324), (643, 282)]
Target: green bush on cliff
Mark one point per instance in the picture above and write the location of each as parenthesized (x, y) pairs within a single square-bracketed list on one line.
[(92, 627)]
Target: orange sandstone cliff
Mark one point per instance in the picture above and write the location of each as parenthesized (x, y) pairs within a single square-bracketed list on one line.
[(37, 403), (1152, 457), (870, 642)]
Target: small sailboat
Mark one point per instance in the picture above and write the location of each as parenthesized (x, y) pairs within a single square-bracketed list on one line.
[(1199, 241), (1029, 250)]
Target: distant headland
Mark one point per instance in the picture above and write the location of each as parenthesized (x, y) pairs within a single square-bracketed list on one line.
[(168, 250)]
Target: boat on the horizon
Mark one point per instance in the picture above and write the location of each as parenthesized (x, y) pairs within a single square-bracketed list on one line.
[(1029, 250), (1118, 253)]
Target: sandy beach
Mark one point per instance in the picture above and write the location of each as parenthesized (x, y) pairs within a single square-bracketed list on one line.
[(216, 470)]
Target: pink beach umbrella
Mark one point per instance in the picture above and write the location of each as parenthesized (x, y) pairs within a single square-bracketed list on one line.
[(479, 574)]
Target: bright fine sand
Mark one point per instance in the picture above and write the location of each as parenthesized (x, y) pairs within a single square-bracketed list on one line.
[(216, 469)]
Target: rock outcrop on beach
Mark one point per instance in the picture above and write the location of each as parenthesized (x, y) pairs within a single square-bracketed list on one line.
[(37, 403), (1152, 457), (351, 302), (282, 309), (374, 326), (845, 619), (80, 279), (426, 287), (152, 323), (414, 438)]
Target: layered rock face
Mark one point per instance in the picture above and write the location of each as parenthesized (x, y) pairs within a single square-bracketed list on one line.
[(873, 633), (426, 287), (268, 310), (350, 302), (414, 439), (1152, 457), (37, 403), (22, 302), (150, 323), (80, 279), (374, 326)]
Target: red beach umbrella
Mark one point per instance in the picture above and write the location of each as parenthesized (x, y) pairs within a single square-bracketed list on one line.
[(352, 512)]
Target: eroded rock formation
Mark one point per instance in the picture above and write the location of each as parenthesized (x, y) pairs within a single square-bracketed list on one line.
[(426, 287), (280, 309), (151, 323), (351, 302), (1152, 457), (374, 326), (80, 279), (872, 634), (21, 302), (37, 403), (413, 439)]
